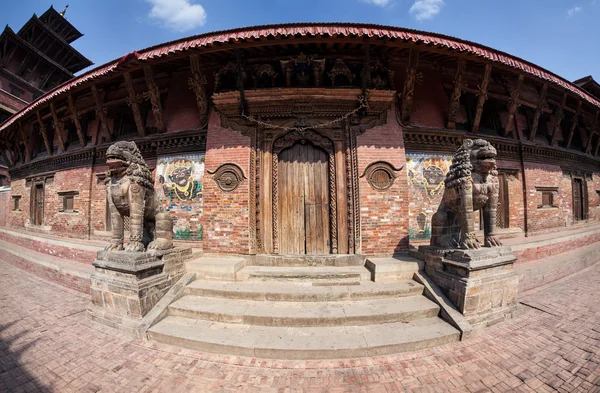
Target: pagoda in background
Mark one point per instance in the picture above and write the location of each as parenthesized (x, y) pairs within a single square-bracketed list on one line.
[(36, 59)]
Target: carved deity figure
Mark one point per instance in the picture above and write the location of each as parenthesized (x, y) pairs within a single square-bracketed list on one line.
[(130, 192), (471, 185)]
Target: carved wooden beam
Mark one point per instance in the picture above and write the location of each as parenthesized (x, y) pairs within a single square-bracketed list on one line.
[(154, 98), (560, 115), (44, 134), (456, 93), (597, 147), (574, 124), (75, 118), (58, 128), (513, 104), (133, 104), (538, 111), (409, 84), (101, 113), (27, 151), (482, 97), (197, 83)]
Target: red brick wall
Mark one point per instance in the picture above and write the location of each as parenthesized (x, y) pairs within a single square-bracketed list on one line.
[(516, 209), (74, 224), (20, 217), (594, 197), (5, 207), (225, 217), (384, 214), (181, 110), (547, 219)]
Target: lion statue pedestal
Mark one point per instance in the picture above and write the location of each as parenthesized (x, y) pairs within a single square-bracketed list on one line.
[(478, 278), (130, 279)]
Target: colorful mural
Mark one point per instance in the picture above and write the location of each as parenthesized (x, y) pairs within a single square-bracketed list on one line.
[(426, 174), (178, 183)]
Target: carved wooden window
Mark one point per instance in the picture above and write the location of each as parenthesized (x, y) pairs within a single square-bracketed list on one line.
[(68, 201), (16, 202), (547, 196)]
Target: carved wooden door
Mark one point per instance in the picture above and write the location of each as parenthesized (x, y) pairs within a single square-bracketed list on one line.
[(303, 190), (38, 206), (502, 208), (578, 204)]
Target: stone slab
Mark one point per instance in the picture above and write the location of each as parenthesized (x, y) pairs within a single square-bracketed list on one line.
[(323, 274), (398, 268), (208, 267)]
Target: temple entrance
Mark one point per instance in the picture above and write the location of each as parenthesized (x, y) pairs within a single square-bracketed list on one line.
[(304, 201), (37, 215)]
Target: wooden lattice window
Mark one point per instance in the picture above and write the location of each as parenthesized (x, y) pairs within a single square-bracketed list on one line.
[(548, 195), (68, 201)]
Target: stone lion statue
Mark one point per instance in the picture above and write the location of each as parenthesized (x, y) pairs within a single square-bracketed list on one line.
[(130, 192), (470, 185)]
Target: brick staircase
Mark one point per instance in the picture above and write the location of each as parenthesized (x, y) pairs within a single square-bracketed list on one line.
[(295, 312)]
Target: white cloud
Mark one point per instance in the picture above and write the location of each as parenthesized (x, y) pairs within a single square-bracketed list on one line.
[(381, 3), (426, 9), (574, 10), (179, 15)]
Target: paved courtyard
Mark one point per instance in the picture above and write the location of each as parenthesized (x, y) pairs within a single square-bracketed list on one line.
[(47, 344)]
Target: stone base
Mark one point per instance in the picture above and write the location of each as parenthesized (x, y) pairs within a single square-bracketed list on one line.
[(481, 283), (127, 285)]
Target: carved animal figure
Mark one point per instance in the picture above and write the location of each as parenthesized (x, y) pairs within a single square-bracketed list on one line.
[(130, 192), (470, 185)]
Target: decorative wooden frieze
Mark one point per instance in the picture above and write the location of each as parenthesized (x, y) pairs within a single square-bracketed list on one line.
[(297, 67), (133, 103), (59, 128), (264, 72), (229, 68), (574, 124), (513, 104), (197, 84), (340, 69), (44, 133), (75, 118), (101, 113), (482, 96), (154, 99), (559, 116), (541, 104), (228, 176), (24, 140), (456, 93), (380, 76), (381, 175), (408, 91)]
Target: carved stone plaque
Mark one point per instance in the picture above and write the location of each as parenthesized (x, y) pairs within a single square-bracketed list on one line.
[(228, 176), (381, 175)]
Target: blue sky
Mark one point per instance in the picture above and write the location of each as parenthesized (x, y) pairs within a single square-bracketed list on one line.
[(560, 35)]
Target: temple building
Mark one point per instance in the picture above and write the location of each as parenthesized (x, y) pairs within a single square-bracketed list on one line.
[(297, 140), (36, 59)]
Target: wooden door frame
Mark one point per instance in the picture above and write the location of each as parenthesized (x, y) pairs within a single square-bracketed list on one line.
[(288, 140), (583, 197), (34, 203)]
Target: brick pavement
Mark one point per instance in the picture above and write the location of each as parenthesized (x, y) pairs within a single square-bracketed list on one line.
[(47, 344)]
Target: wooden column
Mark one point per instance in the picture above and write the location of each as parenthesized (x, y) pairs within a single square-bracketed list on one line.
[(560, 115), (58, 128), (100, 113), (482, 97), (538, 111), (409, 85), (197, 83), (75, 118), (133, 104), (154, 99), (24, 139), (454, 105), (44, 134), (513, 104), (574, 124)]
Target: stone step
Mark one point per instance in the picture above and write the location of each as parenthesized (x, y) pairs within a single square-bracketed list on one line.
[(303, 342), (322, 275), (306, 260), (296, 314), (301, 292), (393, 269), (215, 268)]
